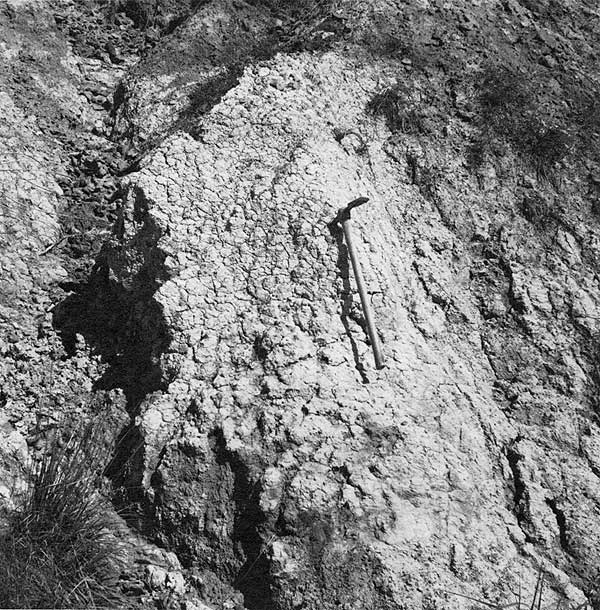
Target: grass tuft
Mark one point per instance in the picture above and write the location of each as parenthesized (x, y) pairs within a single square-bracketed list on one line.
[(60, 549), (395, 105)]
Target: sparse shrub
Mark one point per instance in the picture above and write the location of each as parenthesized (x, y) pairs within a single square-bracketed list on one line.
[(388, 104), (389, 45), (428, 180), (162, 14), (400, 112), (587, 113), (60, 549), (205, 96), (339, 134), (512, 110), (305, 24), (549, 146), (504, 93), (582, 99), (536, 209), (143, 13)]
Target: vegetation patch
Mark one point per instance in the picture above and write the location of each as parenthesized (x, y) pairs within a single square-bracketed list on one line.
[(537, 209), (408, 109), (203, 97), (60, 548), (515, 111), (537, 601)]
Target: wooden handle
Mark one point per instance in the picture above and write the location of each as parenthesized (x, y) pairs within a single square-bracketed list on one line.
[(362, 291)]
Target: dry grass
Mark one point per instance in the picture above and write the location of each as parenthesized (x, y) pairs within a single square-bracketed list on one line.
[(61, 549), (512, 108), (400, 112), (536, 603)]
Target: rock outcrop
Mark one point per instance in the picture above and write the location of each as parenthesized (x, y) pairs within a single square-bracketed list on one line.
[(339, 485), (266, 451)]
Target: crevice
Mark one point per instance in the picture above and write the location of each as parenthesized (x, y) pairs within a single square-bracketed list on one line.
[(259, 348), (203, 97), (562, 524), (436, 299), (519, 486), (423, 283), (124, 326), (516, 303), (254, 579), (520, 494), (595, 470)]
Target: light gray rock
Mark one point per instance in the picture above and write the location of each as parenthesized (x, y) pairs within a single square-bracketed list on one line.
[(276, 443)]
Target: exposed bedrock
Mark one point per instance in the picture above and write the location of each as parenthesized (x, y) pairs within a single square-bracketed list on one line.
[(275, 456), (272, 463)]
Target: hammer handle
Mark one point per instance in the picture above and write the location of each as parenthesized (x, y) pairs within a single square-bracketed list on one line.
[(364, 299)]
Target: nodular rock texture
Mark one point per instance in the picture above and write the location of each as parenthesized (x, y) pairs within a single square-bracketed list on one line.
[(264, 449)]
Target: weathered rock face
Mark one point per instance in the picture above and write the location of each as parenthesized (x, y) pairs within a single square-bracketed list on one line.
[(188, 72), (275, 456), (29, 225), (267, 452)]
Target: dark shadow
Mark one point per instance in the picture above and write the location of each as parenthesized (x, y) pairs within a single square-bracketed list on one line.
[(125, 326), (203, 98), (346, 296), (254, 577)]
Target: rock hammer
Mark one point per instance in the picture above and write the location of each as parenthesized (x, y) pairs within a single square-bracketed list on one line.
[(343, 218)]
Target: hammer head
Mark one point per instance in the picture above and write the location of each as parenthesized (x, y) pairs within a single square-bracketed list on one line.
[(344, 213)]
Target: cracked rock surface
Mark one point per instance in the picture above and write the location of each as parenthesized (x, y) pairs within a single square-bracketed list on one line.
[(340, 485), (270, 460)]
